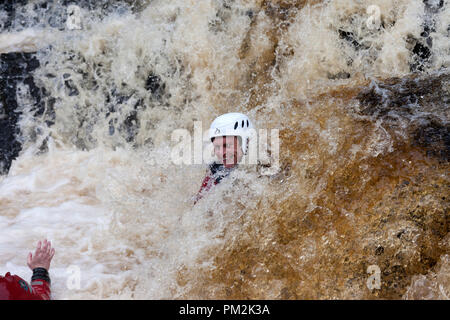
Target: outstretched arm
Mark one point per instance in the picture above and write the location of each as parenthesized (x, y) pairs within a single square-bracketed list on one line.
[(39, 263)]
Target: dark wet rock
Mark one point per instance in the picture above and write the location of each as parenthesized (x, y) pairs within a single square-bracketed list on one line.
[(9, 7), (54, 13), (434, 137), (9, 146), (219, 22), (423, 103), (155, 85), (250, 14), (106, 6), (350, 38), (421, 55), (433, 5), (339, 75), (129, 128), (15, 70), (282, 10), (398, 94), (71, 88), (47, 13), (379, 250), (421, 48)]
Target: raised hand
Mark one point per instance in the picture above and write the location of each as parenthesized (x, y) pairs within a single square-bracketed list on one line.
[(42, 256)]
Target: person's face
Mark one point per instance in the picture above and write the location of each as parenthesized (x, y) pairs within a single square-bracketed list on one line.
[(227, 150)]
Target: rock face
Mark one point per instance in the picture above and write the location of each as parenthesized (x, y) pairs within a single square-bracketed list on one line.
[(9, 7), (15, 69), (53, 14), (421, 102)]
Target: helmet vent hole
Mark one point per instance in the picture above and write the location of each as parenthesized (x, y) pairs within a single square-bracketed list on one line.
[(247, 123), (236, 125), (242, 124)]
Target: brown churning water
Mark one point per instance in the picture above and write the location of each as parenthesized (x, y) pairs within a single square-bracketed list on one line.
[(359, 92)]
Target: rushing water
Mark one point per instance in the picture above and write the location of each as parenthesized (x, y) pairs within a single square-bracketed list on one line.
[(359, 91)]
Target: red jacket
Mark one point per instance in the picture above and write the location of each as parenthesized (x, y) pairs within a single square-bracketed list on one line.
[(207, 183), (13, 287), (216, 173)]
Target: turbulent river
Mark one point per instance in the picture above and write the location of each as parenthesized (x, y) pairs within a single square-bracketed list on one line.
[(352, 203)]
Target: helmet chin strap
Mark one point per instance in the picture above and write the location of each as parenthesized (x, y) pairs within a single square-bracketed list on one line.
[(244, 152)]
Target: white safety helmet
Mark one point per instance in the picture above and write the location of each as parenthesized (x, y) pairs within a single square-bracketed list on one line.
[(232, 124)]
